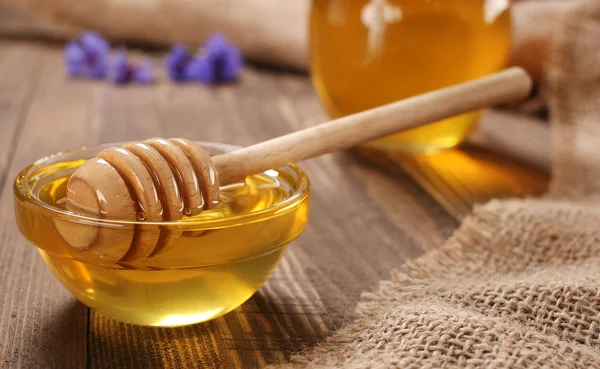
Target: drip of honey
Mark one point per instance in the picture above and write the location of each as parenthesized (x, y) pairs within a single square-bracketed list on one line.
[(211, 270), (366, 53)]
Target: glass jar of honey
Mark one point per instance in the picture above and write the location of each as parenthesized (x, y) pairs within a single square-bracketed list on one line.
[(366, 53)]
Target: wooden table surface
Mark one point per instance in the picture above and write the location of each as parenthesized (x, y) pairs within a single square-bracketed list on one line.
[(368, 215)]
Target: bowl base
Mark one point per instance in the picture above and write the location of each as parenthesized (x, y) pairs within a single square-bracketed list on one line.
[(164, 298)]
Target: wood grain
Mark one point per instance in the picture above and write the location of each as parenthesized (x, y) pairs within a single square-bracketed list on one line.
[(365, 220), (20, 71), (40, 324)]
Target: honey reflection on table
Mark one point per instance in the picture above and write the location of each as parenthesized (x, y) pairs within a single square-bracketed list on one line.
[(459, 178)]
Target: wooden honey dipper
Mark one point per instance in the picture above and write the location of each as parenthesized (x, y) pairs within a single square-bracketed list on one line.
[(164, 179)]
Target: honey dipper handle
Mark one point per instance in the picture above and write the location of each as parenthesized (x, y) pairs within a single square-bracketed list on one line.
[(356, 129)]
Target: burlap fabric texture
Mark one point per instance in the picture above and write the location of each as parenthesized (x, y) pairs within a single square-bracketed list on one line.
[(518, 285)]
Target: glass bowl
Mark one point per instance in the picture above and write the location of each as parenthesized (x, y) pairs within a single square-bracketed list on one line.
[(220, 258)]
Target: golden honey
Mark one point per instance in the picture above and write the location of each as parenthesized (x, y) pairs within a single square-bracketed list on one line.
[(366, 53), (222, 257)]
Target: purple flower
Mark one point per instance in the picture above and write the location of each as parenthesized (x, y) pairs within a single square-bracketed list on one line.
[(122, 71), (176, 63), (98, 68), (87, 57), (195, 70), (93, 41), (220, 61), (74, 59), (144, 72)]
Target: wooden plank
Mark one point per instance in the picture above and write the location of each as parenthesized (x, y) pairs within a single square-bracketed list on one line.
[(19, 69), (363, 223), (41, 325)]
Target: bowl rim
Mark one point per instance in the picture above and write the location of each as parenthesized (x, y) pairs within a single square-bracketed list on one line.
[(22, 192)]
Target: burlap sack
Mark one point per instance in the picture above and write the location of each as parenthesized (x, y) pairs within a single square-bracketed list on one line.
[(518, 285)]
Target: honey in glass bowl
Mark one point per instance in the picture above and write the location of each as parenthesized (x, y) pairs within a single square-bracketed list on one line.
[(366, 53), (221, 258)]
